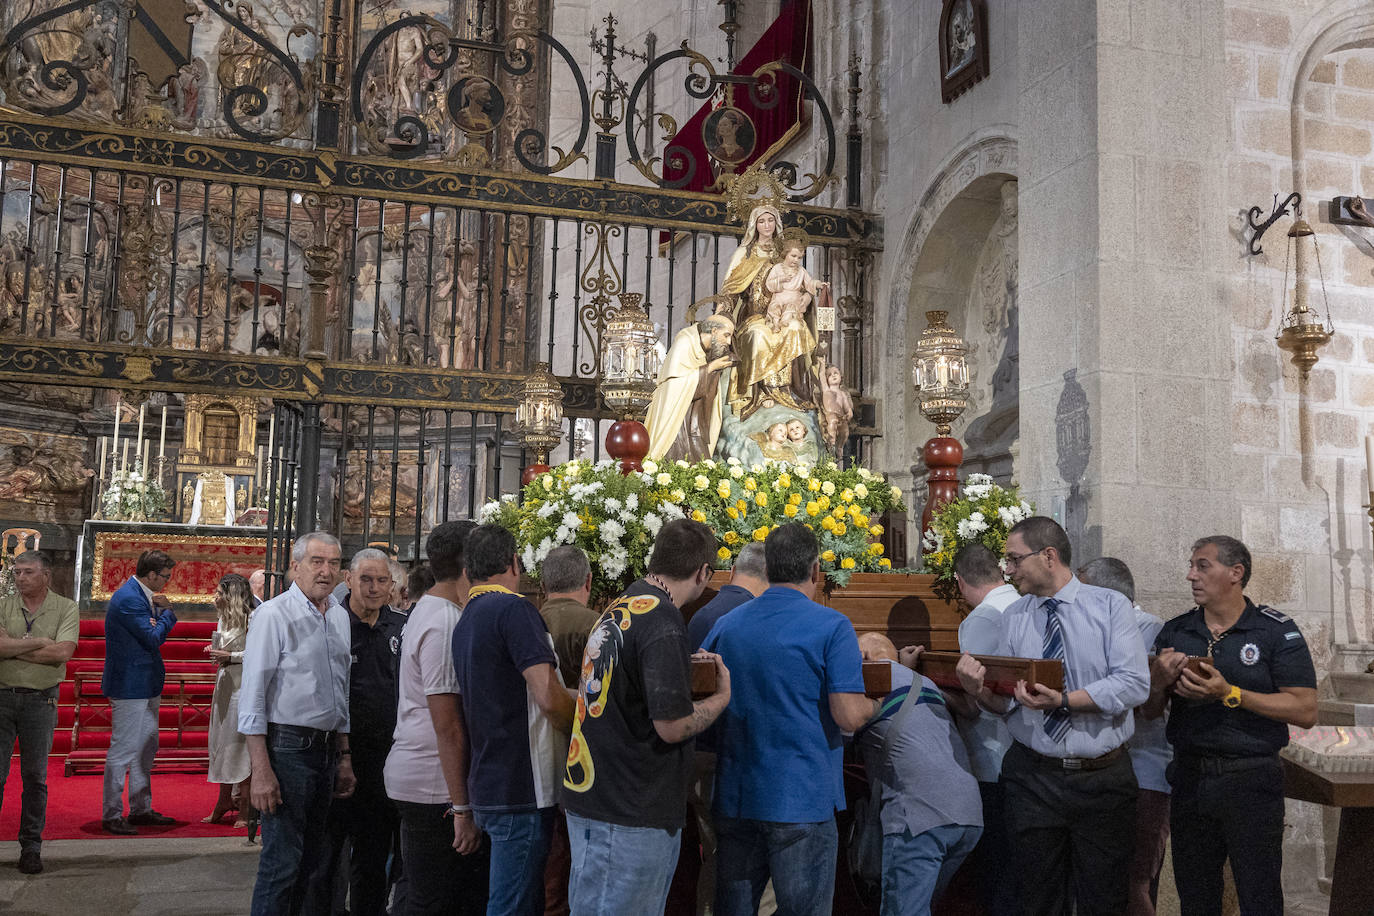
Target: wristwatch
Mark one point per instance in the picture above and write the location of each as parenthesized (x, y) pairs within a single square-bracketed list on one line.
[(1064, 701), (1232, 699)]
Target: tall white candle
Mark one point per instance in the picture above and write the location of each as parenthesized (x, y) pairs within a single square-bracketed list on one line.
[(162, 438), (119, 409), (1369, 459), (138, 443), (124, 458), (271, 434), (100, 464)]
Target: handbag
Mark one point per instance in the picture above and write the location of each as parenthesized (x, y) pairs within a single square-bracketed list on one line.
[(865, 841)]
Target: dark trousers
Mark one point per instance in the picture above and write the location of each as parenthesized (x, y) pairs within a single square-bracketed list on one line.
[(1072, 833), (439, 881), (293, 837), (1151, 841), (996, 883), (367, 822), (28, 718), (1227, 809)]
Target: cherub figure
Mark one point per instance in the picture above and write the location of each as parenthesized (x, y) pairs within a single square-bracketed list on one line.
[(791, 286), (774, 443), (839, 408)]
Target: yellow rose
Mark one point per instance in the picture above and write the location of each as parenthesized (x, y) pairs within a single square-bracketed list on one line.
[(813, 485), (861, 521), (731, 537), (838, 512), (885, 563), (828, 556), (876, 549), (896, 493), (840, 529), (876, 530), (723, 553), (650, 466), (741, 505), (824, 503), (547, 481), (813, 509), (761, 499), (795, 499), (860, 490), (828, 523), (828, 488), (701, 482), (760, 532), (784, 480), (789, 510), (698, 516), (732, 512), (723, 491), (677, 495), (847, 563), (847, 495), (749, 483)]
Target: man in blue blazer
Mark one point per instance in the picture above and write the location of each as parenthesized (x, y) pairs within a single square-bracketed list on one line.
[(137, 622)]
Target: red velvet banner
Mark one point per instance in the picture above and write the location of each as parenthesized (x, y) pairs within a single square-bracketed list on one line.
[(201, 562), (788, 39)]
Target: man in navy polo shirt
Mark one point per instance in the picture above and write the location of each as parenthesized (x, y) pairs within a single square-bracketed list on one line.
[(797, 682), (513, 699)]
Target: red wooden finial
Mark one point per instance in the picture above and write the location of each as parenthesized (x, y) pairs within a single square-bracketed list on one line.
[(943, 455)]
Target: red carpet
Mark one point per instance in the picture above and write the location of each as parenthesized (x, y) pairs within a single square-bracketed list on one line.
[(74, 805)]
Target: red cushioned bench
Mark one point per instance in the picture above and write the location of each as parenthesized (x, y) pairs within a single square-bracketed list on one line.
[(83, 733)]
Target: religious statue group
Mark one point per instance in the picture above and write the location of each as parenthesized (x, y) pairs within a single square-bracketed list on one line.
[(748, 381)]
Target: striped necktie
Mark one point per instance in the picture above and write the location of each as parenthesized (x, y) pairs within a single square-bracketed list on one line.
[(1056, 720)]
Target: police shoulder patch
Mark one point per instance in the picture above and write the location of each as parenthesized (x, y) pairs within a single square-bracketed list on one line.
[(1276, 615)]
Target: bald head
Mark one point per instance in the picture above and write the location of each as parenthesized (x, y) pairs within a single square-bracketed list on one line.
[(877, 647)]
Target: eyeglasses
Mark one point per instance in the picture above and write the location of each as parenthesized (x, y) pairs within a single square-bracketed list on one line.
[(1014, 560)]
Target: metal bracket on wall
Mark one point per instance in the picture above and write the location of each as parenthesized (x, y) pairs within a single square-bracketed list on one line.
[(1257, 230)]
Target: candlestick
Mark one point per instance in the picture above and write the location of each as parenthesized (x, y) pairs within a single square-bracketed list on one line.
[(141, 408), (162, 437), (114, 449), (271, 433)]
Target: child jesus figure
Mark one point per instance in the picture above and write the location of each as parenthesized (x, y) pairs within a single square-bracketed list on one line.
[(792, 287)]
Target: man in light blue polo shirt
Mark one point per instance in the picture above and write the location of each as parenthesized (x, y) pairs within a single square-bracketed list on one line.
[(797, 683), (978, 573), (1150, 754)]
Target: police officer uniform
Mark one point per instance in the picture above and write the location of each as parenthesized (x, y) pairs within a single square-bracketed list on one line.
[(1226, 775), (369, 819)]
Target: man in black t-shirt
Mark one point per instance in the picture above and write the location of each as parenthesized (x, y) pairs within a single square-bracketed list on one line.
[(625, 787), (1227, 725)]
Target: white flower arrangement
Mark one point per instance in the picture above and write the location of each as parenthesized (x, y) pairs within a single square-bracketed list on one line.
[(130, 496), (983, 513)]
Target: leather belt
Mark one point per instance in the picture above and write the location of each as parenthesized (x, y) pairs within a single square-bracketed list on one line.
[(314, 734), (1077, 763), (45, 691)]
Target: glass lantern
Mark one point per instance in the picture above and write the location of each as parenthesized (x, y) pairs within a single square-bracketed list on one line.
[(630, 359), (539, 415), (939, 371)]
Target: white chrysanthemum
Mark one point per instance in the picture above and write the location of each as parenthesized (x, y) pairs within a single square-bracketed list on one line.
[(571, 520), (562, 535), (611, 504), (626, 516), (671, 511), (546, 510), (1007, 516), (652, 523), (487, 514), (528, 557), (611, 532), (977, 524), (650, 466), (632, 501), (964, 530), (606, 464)]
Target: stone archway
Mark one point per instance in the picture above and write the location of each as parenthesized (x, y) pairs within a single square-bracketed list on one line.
[(959, 255)]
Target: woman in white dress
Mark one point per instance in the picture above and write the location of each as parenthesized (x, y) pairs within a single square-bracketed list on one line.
[(229, 762)]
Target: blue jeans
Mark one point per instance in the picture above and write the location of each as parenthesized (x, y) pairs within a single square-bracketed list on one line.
[(618, 869), (917, 869), (800, 858), (519, 849), (30, 718), (133, 745), (293, 837)]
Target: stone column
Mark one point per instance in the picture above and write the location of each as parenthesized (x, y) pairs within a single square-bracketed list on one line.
[(1125, 360)]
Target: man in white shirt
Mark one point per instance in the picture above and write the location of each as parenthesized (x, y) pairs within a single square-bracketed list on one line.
[(978, 573), (293, 710), (426, 771)]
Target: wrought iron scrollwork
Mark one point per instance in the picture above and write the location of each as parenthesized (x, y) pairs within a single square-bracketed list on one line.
[(62, 61), (404, 109), (267, 94)]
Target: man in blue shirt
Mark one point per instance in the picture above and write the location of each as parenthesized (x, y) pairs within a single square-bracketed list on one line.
[(748, 579), (1150, 754), (797, 683), (1070, 790), (512, 701)]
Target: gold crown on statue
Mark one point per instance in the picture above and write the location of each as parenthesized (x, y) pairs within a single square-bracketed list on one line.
[(742, 193), (795, 234)]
